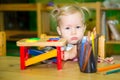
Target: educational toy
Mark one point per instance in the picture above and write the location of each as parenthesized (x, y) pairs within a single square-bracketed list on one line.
[(24, 45)]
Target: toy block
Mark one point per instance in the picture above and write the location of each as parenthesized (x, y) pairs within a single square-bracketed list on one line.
[(32, 39), (41, 57), (35, 52), (38, 52)]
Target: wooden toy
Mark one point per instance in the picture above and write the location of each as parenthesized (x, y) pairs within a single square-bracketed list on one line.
[(24, 44)]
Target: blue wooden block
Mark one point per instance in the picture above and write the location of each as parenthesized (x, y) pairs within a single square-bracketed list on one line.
[(35, 52)]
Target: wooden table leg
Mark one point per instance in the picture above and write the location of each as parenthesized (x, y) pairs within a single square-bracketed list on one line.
[(59, 60)]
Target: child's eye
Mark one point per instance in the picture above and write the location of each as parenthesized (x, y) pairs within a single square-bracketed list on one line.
[(77, 26), (67, 28)]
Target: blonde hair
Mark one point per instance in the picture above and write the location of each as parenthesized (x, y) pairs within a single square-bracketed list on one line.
[(69, 9)]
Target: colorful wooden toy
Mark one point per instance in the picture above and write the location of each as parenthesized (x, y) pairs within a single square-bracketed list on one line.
[(24, 45)]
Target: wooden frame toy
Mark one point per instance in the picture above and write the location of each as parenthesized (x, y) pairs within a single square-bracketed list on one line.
[(24, 45)]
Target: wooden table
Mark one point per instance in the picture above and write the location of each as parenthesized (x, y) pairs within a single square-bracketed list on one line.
[(37, 42), (9, 70)]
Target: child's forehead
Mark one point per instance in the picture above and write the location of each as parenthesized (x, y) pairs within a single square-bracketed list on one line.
[(70, 17), (76, 15), (71, 23), (70, 13)]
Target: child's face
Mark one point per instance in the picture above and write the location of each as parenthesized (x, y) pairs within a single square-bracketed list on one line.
[(71, 27)]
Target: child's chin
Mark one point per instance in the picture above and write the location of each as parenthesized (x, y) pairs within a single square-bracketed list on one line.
[(74, 42)]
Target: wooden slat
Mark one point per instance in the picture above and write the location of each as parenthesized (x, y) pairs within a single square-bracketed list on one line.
[(10, 33), (39, 23), (17, 7), (2, 44), (113, 42), (1, 21), (41, 42), (89, 5), (110, 8)]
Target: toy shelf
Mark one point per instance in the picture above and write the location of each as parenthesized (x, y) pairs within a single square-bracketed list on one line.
[(12, 34), (103, 9)]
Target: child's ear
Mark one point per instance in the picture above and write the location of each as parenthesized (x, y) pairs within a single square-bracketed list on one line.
[(58, 30)]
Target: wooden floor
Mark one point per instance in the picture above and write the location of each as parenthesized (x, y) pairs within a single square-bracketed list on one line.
[(9, 70)]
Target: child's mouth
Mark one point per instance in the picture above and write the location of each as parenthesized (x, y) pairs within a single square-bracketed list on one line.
[(74, 38)]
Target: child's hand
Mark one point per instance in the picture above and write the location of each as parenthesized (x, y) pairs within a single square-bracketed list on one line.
[(71, 54), (66, 55)]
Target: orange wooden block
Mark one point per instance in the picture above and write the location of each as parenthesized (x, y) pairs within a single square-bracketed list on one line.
[(41, 57)]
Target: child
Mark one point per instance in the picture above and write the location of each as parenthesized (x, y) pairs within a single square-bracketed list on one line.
[(71, 26)]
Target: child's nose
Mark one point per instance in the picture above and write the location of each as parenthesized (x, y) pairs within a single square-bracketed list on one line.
[(73, 31)]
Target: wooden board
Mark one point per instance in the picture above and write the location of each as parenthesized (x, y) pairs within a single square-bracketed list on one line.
[(41, 42)]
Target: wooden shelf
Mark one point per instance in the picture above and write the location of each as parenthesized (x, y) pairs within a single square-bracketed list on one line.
[(110, 8), (113, 42), (15, 35), (18, 7)]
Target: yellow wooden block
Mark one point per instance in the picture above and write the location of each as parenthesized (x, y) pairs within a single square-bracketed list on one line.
[(41, 57)]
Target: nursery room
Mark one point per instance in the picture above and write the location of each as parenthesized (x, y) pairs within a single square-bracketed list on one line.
[(60, 39)]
